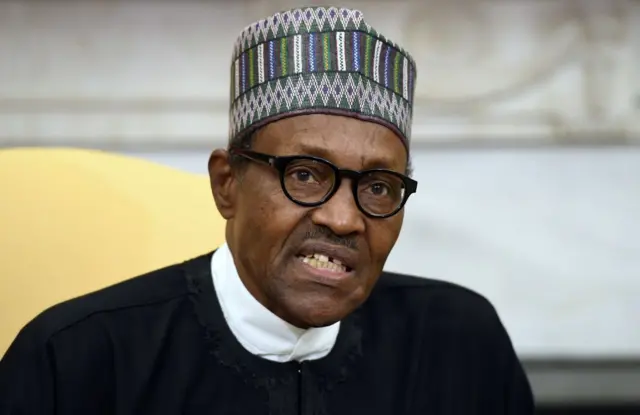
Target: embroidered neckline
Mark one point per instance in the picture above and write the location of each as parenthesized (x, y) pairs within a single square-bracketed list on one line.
[(257, 371)]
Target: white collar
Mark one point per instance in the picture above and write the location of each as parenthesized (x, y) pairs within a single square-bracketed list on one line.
[(259, 330)]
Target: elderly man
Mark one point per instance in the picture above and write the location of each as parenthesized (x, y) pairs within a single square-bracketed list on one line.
[(293, 315)]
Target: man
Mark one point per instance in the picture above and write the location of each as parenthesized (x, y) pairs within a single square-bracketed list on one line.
[(293, 315)]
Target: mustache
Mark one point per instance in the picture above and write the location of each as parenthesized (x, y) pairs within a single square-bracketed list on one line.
[(326, 234)]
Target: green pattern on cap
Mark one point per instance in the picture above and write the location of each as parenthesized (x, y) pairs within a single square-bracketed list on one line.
[(319, 60)]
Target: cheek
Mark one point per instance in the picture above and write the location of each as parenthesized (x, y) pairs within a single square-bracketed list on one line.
[(265, 220), (383, 236)]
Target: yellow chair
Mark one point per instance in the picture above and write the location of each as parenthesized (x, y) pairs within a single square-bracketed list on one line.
[(73, 221)]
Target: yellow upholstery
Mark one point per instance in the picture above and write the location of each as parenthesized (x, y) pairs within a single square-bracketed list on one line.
[(73, 221)]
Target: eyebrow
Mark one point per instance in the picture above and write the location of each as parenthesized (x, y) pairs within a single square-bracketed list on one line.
[(313, 150), (323, 152)]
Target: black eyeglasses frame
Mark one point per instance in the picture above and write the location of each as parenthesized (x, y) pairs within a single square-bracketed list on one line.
[(280, 163)]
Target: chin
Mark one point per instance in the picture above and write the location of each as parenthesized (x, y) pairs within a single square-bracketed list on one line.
[(324, 321), (319, 313)]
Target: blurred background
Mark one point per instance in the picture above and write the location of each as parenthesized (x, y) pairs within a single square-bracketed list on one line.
[(526, 146)]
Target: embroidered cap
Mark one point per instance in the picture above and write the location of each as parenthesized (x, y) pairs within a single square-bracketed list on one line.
[(325, 60)]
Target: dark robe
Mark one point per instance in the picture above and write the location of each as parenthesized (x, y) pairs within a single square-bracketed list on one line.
[(159, 344)]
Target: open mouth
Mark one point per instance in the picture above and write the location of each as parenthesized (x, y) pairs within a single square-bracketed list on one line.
[(321, 261)]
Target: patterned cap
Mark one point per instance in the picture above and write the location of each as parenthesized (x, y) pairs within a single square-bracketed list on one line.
[(325, 60)]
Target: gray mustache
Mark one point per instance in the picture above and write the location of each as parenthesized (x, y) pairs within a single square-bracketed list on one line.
[(325, 234)]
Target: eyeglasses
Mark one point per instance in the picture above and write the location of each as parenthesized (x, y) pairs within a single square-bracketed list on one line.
[(311, 181)]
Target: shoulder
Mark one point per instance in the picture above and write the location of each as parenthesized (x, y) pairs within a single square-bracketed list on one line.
[(154, 290), (441, 301), (80, 339), (441, 327)]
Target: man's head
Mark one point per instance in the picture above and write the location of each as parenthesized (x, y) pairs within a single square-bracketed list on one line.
[(315, 179)]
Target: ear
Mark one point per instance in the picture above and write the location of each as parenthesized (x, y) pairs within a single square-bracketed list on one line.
[(223, 183)]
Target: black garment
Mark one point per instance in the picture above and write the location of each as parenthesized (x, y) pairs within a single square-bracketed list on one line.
[(159, 344)]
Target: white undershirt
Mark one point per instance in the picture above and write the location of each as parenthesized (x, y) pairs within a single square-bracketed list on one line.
[(259, 330)]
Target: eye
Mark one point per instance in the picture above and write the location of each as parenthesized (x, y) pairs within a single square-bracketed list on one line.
[(303, 175), (379, 189)]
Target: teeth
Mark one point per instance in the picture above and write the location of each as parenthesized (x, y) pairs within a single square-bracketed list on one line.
[(321, 257), (324, 262)]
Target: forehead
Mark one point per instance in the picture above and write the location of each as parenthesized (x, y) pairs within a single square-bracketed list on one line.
[(346, 141)]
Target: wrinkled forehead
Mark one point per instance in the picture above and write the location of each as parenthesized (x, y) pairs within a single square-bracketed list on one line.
[(346, 141)]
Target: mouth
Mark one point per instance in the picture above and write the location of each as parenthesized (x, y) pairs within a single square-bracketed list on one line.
[(328, 259), (324, 262)]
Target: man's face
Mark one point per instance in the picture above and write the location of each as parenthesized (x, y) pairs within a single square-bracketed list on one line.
[(267, 232)]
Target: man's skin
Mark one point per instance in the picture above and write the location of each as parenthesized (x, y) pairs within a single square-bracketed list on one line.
[(266, 231)]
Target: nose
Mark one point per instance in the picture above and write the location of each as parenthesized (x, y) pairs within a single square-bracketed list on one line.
[(340, 213)]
